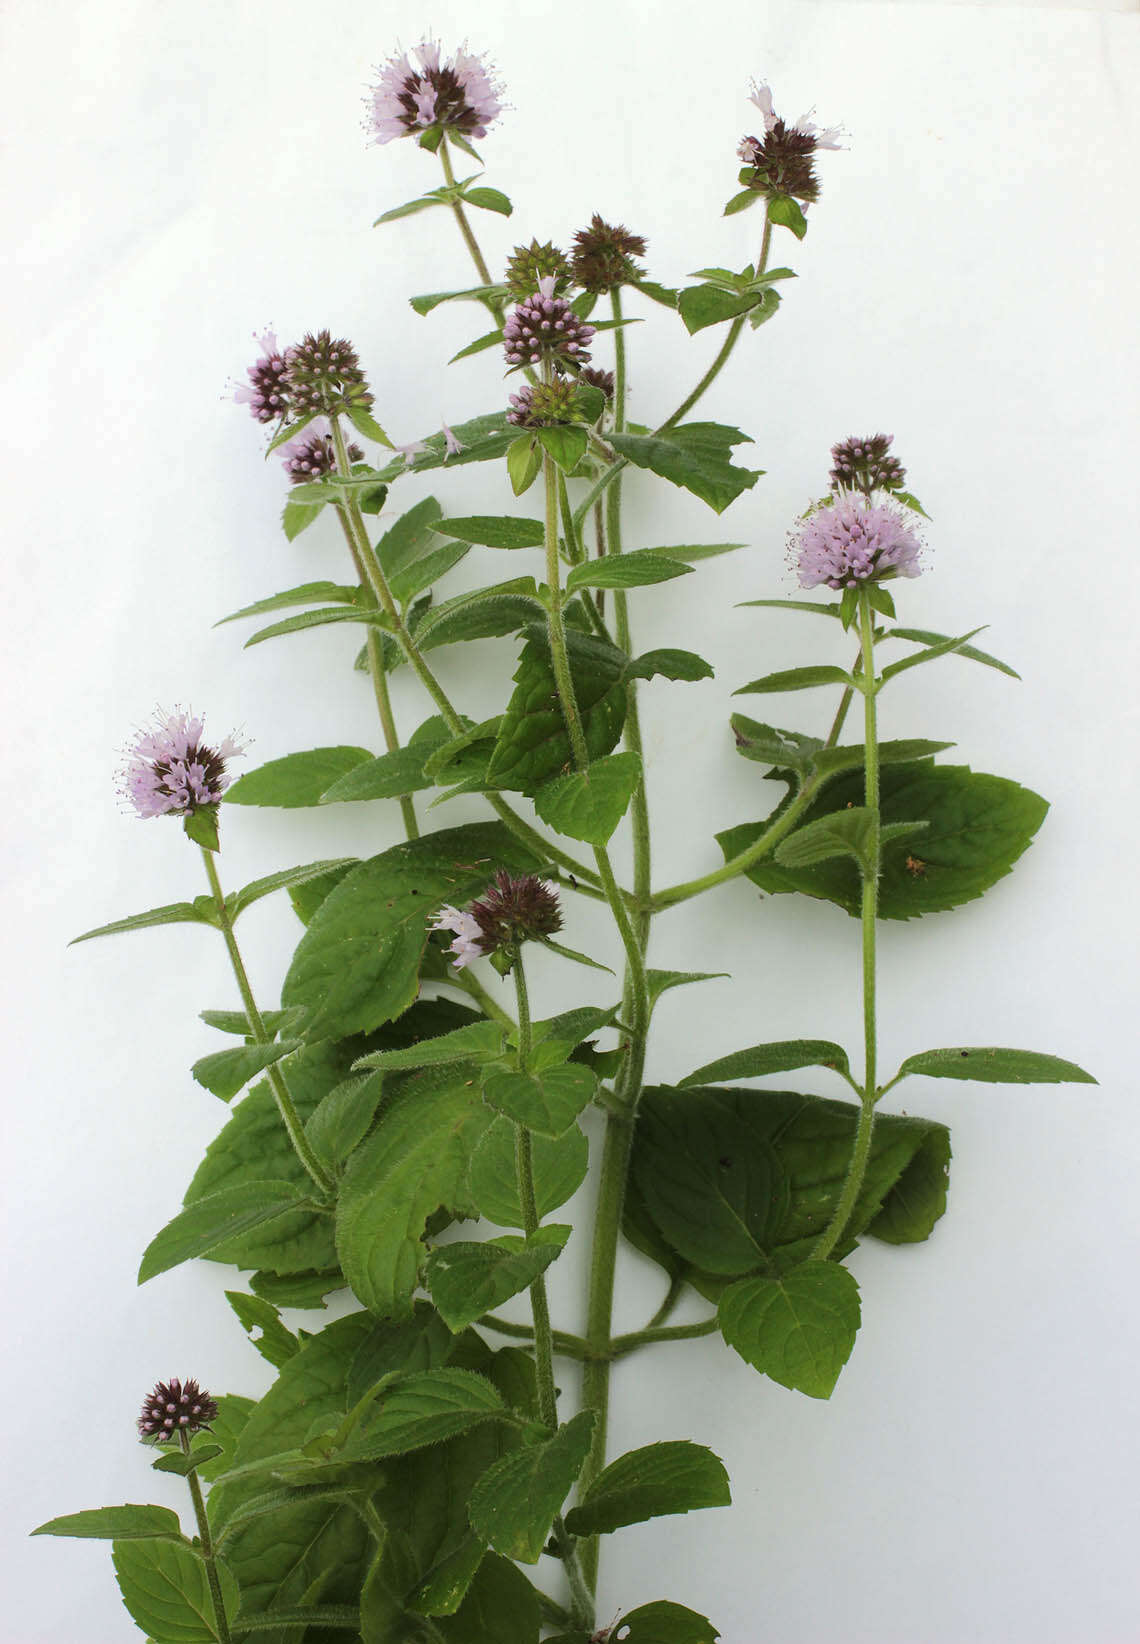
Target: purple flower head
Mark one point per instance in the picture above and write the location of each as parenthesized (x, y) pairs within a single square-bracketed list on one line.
[(311, 454), (596, 377), (852, 541), (174, 1408), (457, 93), (603, 256), (466, 946), (781, 160), (323, 375), (862, 464), (545, 327), (170, 771), (266, 393)]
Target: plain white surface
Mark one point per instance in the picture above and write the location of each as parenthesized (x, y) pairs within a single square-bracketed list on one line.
[(181, 177)]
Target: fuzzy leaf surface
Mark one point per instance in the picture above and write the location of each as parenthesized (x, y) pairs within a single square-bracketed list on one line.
[(225, 1072), (798, 1329), (780, 1056), (675, 1476), (533, 745), (992, 1065), (559, 1169), (128, 1523), (633, 570), (166, 1591), (297, 779), (513, 1505), (696, 456), (589, 804), (547, 1102), (210, 1222), (469, 1279)]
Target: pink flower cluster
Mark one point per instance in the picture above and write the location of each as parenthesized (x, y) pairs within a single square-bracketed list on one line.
[(171, 771)]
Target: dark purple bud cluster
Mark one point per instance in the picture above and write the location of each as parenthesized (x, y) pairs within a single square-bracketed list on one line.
[(544, 404), (595, 377), (312, 455), (324, 375), (603, 256), (174, 1408), (863, 465), (512, 910), (545, 327), (266, 393), (529, 264)]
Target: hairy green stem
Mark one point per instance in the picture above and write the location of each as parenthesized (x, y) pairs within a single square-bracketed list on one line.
[(208, 1558), (670, 1332), (289, 1115), (469, 239), (861, 1151), (566, 1345)]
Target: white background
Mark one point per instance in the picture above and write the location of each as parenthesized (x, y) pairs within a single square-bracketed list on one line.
[(182, 175)]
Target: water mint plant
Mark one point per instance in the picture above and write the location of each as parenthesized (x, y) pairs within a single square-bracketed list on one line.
[(407, 1135)]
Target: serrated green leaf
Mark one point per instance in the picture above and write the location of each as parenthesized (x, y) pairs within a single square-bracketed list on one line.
[(924, 636), (930, 654), (494, 530), (409, 209), (785, 211), (696, 456), (297, 779), (764, 310), (426, 571), (489, 199), (174, 1461), (467, 1280), (566, 443), (485, 613), (297, 517), (421, 1409), (768, 745), (696, 551), (559, 1169), (993, 1065), (978, 827), (546, 1102), (128, 1523), (853, 832), (365, 423), (175, 913), (670, 664), (704, 305), (662, 294), (477, 1042), (901, 752), (741, 202), (589, 804), (798, 1329), (513, 1505), (660, 981), (343, 1117), (390, 776), (501, 1605), (310, 895), (781, 1056), (795, 679), (288, 431), (533, 744), (285, 879), (167, 1593), (302, 1290), (672, 1477), (318, 619), (478, 293), (633, 570), (212, 1221), (236, 1021), (225, 1072), (415, 1161), (357, 964), (307, 593), (201, 825), (665, 1623)]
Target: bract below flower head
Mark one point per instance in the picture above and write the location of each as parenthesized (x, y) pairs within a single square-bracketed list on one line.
[(853, 541), (171, 771), (456, 93)]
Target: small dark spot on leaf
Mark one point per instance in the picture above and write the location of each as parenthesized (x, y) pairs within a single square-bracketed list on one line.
[(725, 1164)]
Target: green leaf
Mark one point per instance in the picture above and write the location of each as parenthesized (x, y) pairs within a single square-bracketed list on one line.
[(317, 619), (696, 456), (357, 964), (670, 664), (524, 457), (285, 879), (210, 1222), (501, 1607), (275, 1343), (768, 745), (344, 1617), (307, 593), (390, 776), (416, 1410), (304, 1290), (414, 1162), (226, 1072), (309, 896), (660, 981), (738, 1181), (426, 571), (902, 752), (485, 613), (297, 779), (129, 1523), (477, 1042), (552, 946), (174, 1461), (288, 431), (297, 517), (634, 570), (589, 804), (489, 199), (202, 827), (513, 1505), (533, 745), (482, 438), (798, 1329), (704, 305), (467, 1280), (409, 209), (923, 636), (166, 1590), (665, 1623), (478, 293), (853, 832), (930, 654), (671, 1477), (785, 211), (795, 679), (490, 339), (662, 294), (566, 443), (494, 530), (978, 827), (767, 306), (236, 1021), (811, 606), (225, 1429), (781, 1056), (559, 1169), (343, 1118), (741, 202), (992, 1065), (546, 1102), (175, 913), (365, 423), (690, 551)]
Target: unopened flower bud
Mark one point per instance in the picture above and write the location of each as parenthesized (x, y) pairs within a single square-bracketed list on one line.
[(863, 465), (603, 256), (528, 264), (545, 327), (323, 376), (175, 1408)]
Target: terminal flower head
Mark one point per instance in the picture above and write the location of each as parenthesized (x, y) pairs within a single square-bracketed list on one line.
[(458, 94), (781, 160), (171, 771), (510, 911), (603, 256), (862, 464), (851, 541), (174, 1408)]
